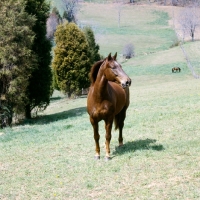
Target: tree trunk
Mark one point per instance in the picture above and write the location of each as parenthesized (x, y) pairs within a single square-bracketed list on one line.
[(69, 94), (192, 36), (28, 111)]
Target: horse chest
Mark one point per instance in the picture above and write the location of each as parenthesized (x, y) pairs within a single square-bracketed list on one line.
[(102, 111)]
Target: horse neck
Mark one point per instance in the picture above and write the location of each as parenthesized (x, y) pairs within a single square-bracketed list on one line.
[(100, 86)]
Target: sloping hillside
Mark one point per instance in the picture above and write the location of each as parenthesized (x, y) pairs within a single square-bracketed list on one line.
[(51, 156)]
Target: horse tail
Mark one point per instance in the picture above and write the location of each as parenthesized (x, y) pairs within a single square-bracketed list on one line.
[(116, 121), (119, 118)]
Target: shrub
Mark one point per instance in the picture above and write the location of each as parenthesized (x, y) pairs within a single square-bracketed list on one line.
[(71, 63), (128, 51)]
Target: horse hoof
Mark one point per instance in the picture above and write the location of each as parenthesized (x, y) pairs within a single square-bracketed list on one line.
[(97, 157), (107, 158)]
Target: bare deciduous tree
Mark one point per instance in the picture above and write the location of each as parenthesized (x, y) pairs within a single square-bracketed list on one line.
[(174, 2), (189, 20), (71, 8), (119, 7), (52, 23), (177, 2)]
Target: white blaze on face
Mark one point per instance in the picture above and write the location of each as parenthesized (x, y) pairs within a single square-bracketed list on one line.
[(116, 63)]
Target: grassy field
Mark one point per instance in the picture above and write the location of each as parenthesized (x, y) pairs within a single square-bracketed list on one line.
[(149, 33), (52, 156)]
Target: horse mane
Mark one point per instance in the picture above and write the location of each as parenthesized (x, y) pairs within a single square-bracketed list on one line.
[(94, 70)]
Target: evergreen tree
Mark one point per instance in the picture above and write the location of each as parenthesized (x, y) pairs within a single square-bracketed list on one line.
[(56, 12), (17, 61), (94, 48), (39, 89), (72, 59)]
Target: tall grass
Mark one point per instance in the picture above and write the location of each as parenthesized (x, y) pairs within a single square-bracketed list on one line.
[(51, 157)]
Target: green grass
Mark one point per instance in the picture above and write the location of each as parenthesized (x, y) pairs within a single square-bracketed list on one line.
[(52, 156), (161, 19), (193, 53)]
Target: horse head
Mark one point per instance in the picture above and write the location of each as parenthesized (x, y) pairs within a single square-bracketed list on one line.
[(114, 72)]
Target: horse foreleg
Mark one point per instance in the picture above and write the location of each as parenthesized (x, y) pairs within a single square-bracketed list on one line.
[(108, 127), (96, 137)]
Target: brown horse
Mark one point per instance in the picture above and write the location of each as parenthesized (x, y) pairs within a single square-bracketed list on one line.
[(108, 99), (175, 69)]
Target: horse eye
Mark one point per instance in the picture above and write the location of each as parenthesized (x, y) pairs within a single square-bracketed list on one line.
[(113, 67)]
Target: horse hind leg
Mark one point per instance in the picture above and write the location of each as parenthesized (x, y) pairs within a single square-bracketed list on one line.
[(119, 124)]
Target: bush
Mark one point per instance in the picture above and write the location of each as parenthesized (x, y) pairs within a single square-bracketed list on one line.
[(71, 63), (128, 51), (5, 116), (176, 42)]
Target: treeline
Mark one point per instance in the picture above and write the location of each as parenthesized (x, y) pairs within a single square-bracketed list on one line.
[(25, 56), (28, 71), (178, 2), (162, 2)]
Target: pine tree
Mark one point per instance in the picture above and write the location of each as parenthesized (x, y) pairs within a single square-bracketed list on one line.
[(72, 59), (39, 89), (56, 12), (94, 48), (17, 61)]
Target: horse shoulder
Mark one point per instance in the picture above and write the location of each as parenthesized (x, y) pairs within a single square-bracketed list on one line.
[(121, 97), (118, 91)]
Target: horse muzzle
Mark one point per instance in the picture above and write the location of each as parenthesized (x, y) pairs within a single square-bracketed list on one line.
[(126, 83)]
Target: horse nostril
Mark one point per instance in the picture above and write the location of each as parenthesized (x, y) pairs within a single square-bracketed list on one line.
[(126, 84), (123, 85)]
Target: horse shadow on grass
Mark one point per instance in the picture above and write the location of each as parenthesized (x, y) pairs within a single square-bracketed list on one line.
[(46, 119), (146, 144)]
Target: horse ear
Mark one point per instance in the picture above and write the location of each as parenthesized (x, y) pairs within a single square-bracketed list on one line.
[(109, 56), (115, 56)]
